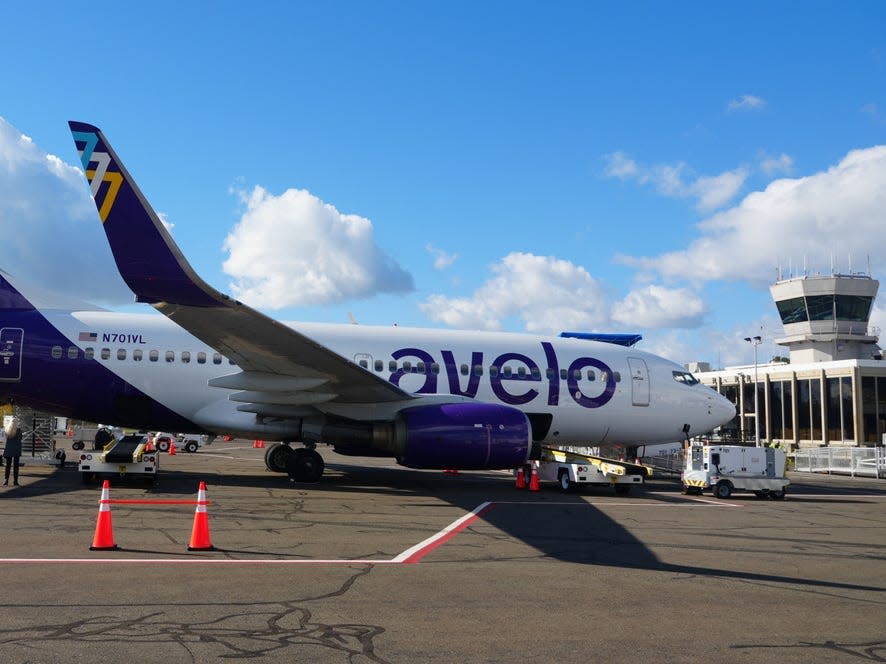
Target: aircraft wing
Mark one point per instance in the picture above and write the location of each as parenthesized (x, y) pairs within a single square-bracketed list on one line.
[(281, 368)]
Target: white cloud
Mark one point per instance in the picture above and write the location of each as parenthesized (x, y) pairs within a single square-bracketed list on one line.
[(658, 307), (442, 259), (836, 211), (780, 164), (746, 103), (717, 190), (42, 200), (620, 166), (294, 249), (675, 181), (549, 294)]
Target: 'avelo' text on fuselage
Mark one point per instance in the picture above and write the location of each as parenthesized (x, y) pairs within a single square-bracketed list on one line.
[(549, 381)]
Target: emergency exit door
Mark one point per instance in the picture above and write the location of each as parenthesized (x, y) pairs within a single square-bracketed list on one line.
[(11, 354), (639, 381)]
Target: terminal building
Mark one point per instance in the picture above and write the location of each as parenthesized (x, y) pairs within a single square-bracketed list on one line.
[(832, 391)]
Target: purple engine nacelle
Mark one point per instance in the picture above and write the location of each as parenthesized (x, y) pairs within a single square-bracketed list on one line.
[(469, 435)]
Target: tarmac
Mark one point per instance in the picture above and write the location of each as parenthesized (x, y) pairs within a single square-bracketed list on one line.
[(378, 563)]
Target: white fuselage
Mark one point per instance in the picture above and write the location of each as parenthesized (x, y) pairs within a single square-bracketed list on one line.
[(580, 391)]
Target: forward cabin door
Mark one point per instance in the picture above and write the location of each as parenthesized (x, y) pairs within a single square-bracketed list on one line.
[(639, 381)]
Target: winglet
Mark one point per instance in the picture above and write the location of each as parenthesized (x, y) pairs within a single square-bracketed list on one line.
[(148, 259)]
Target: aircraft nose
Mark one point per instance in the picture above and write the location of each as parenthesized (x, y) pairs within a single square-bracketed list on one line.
[(722, 409)]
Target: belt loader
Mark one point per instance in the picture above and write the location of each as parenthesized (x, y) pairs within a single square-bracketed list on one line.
[(570, 468), (127, 456)]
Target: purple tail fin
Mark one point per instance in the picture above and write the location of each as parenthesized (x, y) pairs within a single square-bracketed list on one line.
[(147, 258)]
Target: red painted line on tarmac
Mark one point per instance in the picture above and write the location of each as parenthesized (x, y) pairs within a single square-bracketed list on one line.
[(190, 561), (115, 501), (420, 550)]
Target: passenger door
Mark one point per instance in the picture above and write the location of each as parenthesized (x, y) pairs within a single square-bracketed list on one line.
[(639, 381)]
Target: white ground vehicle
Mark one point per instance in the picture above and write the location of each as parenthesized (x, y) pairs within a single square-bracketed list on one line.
[(572, 467), (727, 468), (94, 436), (126, 456)]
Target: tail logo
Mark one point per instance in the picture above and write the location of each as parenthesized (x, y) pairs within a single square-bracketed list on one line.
[(104, 196)]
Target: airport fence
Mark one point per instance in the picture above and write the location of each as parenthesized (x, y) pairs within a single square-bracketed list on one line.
[(862, 461)]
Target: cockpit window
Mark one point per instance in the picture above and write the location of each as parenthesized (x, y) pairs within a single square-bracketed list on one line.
[(685, 377)]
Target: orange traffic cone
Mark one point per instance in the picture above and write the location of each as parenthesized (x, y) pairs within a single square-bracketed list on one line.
[(521, 478), (172, 448), (200, 531), (104, 531), (533, 479), (258, 444)]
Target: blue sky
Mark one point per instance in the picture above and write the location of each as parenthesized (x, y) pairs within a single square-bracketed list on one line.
[(635, 167)]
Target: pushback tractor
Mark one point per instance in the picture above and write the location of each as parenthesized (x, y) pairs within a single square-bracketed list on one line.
[(726, 468)]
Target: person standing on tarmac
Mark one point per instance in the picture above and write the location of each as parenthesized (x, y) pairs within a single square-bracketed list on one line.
[(12, 451)]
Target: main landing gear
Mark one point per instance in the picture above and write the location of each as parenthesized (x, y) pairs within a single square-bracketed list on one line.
[(302, 464)]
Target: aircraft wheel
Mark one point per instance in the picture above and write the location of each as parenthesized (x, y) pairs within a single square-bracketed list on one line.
[(565, 482), (276, 457), (723, 490), (305, 466)]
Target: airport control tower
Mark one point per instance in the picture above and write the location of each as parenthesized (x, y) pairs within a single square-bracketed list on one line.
[(826, 317)]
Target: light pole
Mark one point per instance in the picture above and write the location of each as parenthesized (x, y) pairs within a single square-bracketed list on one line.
[(756, 341)]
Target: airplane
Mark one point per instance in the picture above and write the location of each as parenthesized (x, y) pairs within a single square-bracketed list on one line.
[(429, 398)]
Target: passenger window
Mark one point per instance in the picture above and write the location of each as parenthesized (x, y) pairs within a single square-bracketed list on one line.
[(464, 369), (56, 352), (186, 356), (549, 373), (89, 353), (521, 372), (564, 374), (232, 363), (379, 366), (154, 355), (216, 358), (435, 368), (392, 366), (576, 374), (106, 353), (407, 366), (591, 376), (478, 369), (493, 371), (363, 363), (170, 356), (420, 368), (73, 352), (506, 372), (617, 376), (201, 358), (536, 373), (604, 376), (121, 353), (137, 355)]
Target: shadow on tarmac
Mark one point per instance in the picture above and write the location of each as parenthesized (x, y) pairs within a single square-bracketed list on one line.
[(588, 537)]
